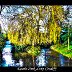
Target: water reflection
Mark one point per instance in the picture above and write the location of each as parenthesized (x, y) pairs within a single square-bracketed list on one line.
[(41, 59), (46, 58), (20, 62), (61, 60), (7, 57)]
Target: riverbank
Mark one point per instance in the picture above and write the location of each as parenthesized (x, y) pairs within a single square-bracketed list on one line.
[(63, 50)]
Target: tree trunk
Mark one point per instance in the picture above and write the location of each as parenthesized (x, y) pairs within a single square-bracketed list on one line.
[(33, 60), (33, 51), (68, 43)]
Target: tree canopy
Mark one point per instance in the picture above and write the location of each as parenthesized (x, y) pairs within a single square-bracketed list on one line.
[(26, 27)]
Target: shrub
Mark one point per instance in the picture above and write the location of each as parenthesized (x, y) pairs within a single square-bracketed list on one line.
[(2, 41)]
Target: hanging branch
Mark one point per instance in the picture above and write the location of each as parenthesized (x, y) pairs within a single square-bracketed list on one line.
[(68, 28)]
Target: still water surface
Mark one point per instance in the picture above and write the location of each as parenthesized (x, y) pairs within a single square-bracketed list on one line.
[(47, 58)]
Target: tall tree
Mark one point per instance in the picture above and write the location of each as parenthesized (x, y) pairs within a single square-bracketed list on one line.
[(56, 16), (67, 16), (27, 29)]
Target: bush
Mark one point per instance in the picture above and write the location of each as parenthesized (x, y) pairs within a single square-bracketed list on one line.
[(19, 47), (33, 50), (2, 42)]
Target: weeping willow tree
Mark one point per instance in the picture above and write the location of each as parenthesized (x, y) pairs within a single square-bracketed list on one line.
[(27, 29), (51, 27), (56, 16), (24, 32)]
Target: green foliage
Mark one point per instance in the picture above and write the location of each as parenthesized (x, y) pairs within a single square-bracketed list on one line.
[(71, 38), (19, 47), (63, 50), (2, 41), (71, 42), (64, 36), (4, 35), (33, 50)]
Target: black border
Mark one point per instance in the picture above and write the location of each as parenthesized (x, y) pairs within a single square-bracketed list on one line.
[(35, 2), (13, 69)]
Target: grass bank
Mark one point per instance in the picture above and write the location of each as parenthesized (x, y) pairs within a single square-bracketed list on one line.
[(63, 49)]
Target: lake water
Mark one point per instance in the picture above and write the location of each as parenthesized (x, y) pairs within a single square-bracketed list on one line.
[(46, 58)]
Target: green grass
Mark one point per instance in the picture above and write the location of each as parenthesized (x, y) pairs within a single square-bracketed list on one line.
[(63, 50)]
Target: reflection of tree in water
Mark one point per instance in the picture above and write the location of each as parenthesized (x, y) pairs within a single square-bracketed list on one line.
[(28, 61), (0, 59), (53, 62)]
